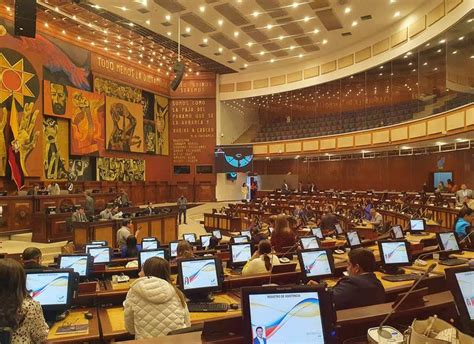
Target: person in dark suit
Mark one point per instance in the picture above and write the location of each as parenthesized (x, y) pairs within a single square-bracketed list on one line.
[(32, 258), (361, 288), (259, 336)]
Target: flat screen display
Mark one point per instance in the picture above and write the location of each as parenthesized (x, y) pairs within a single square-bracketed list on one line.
[(48, 288), (88, 246), (173, 249), (217, 233), (395, 253), (241, 253), (466, 285), (246, 233), (316, 263), (240, 239), (190, 237), (441, 177), (417, 225), (233, 159), (339, 230), (397, 232), (309, 242), (448, 241), (286, 318), (100, 254), (198, 274), (145, 255), (149, 245), (353, 238), (77, 263), (205, 240), (317, 232)]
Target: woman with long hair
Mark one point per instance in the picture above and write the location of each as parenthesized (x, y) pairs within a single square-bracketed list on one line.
[(184, 250), (262, 260), (463, 222), (154, 306), (19, 313), (131, 248), (282, 235)]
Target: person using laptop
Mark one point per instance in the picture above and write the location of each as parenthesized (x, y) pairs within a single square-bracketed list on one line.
[(18, 310), (32, 258), (154, 306), (463, 222), (259, 336), (261, 261), (376, 218), (361, 287)]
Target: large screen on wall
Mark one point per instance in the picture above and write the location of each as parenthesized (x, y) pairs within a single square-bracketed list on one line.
[(234, 159)]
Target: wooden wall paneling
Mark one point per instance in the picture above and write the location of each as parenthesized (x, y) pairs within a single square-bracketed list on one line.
[(182, 188), (151, 192), (205, 192), (170, 229), (156, 229), (107, 233), (138, 193), (163, 192)]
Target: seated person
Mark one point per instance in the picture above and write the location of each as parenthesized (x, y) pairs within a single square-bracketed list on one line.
[(261, 261), (463, 222), (79, 215), (282, 235), (361, 287), (107, 214), (131, 248), (328, 220), (376, 218), (213, 243), (154, 306), (32, 258), (149, 209), (18, 310), (184, 250), (124, 232)]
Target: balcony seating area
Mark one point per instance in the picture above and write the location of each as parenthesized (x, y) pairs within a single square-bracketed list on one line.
[(459, 100)]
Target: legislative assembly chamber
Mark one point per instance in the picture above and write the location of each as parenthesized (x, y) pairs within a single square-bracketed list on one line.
[(237, 171)]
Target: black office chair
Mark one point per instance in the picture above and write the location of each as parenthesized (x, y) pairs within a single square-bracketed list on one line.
[(5, 335)]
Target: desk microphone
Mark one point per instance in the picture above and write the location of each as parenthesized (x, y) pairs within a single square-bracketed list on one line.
[(420, 261), (466, 237), (388, 334)]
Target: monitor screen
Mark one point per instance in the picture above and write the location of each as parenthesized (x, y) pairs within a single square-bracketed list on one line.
[(198, 274), (247, 233), (100, 254), (240, 239), (465, 281), (240, 253), (190, 237), (316, 231), (205, 240), (448, 241), (99, 242), (145, 255), (173, 248), (149, 244), (309, 242), (48, 288), (217, 233), (353, 239), (271, 230), (339, 230), (394, 252), (397, 232), (441, 177), (76, 262), (88, 246), (287, 317), (417, 225), (316, 263), (233, 158)]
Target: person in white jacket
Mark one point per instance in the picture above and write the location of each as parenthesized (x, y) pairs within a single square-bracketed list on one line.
[(262, 260), (154, 306)]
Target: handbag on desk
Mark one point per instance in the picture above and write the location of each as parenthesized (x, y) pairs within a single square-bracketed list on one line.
[(436, 331)]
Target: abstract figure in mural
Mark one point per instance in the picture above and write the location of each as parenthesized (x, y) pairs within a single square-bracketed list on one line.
[(54, 164), (3, 146), (86, 124), (150, 144), (27, 137), (124, 170), (77, 168), (124, 124), (161, 122), (58, 98)]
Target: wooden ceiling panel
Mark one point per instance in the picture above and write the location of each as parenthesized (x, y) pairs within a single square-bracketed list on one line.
[(197, 22), (290, 26), (246, 55), (232, 14), (273, 8), (329, 19), (256, 34), (318, 4), (223, 40)]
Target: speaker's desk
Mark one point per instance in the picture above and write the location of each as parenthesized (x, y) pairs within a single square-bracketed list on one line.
[(76, 317)]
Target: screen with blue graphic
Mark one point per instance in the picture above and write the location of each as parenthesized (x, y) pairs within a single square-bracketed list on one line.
[(48, 288), (466, 285), (173, 248), (316, 231), (149, 245), (240, 253), (286, 318), (394, 252), (145, 255), (441, 177), (448, 241), (233, 159), (100, 254), (309, 242), (316, 263), (77, 263), (198, 274)]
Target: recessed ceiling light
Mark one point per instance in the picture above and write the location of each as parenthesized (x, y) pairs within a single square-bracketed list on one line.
[(256, 14), (316, 31), (397, 14), (300, 55), (123, 8), (438, 51), (325, 41), (472, 56), (461, 38), (306, 18), (246, 65), (202, 8), (168, 33), (295, 4), (220, 22), (354, 23), (425, 64), (250, 44), (292, 47), (427, 44), (234, 58), (381, 67), (269, 26), (442, 41), (188, 29), (148, 22), (236, 34), (168, 17), (220, 50), (262, 53), (272, 60), (435, 68), (347, 10), (392, 1), (281, 37), (454, 52), (470, 20)]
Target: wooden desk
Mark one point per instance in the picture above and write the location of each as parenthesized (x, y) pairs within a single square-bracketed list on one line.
[(52, 228), (17, 214), (76, 317), (113, 322), (223, 222)]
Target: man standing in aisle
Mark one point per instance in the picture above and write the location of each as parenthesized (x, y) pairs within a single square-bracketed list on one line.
[(90, 203), (182, 205)]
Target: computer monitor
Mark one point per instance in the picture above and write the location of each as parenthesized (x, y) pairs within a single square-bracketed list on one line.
[(190, 237), (247, 233), (99, 242), (339, 230), (394, 254), (52, 289), (173, 246), (100, 255), (217, 233), (397, 232), (149, 244), (448, 241), (317, 232), (205, 240), (88, 246), (197, 277), (144, 255), (316, 263), (288, 314), (270, 230), (240, 239), (239, 254), (353, 239), (417, 226), (461, 284), (80, 263), (309, 242)]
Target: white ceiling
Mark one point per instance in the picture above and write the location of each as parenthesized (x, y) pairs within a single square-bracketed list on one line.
[(252, 35)]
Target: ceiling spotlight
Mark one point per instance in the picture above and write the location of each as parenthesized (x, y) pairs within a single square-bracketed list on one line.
[(246, 65), (281, 37), (202, 8), (168, 33), (168, 17), (148, 22), (300, 55), (262, 53), (295, 4), (220, 50), (220, 22), (442, 41), (461, 38), (123, 8), (292, 47), (315, 31), (354, 23), (205, 40), (255, 14), (454, 52), (272, 60), (236, 34), (325, 41), (188, 29), (269, 26), (306, 18), (397, 14), (234, 58), (347, 10), (250, 44)]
